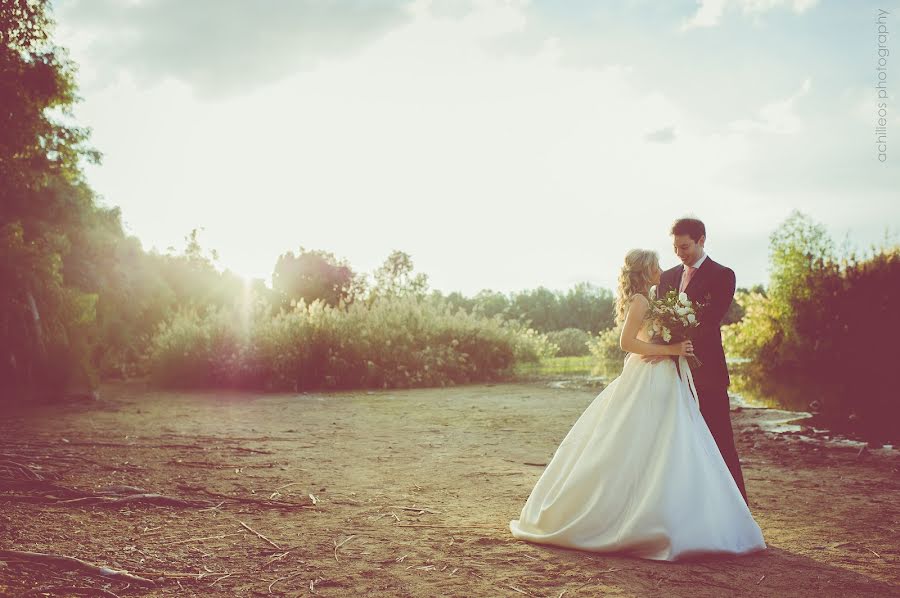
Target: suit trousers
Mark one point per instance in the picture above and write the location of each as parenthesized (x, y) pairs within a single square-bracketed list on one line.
[(714, 406)]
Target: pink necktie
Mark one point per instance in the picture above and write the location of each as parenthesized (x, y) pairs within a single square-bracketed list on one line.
[(686, 277)]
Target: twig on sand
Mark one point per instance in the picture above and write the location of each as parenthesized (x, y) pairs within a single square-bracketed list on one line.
[(276, 557), (336, 546), (285, 578), (420, 509), (75, 563), (259, 535), (201, 539), (510, 586), (285, 486), (593, 580), (442, 526), (252, 501)]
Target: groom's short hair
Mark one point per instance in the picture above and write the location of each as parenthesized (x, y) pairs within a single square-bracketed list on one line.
[(692, 227)]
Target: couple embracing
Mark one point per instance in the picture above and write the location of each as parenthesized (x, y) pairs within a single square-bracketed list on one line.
[(650, 468)]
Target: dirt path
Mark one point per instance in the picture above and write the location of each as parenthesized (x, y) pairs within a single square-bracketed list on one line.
[(413, 494)]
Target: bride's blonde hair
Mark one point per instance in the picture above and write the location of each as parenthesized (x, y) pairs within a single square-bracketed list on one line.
[(636, 277)]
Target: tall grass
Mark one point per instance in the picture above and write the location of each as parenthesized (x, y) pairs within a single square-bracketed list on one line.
[(397, 342)]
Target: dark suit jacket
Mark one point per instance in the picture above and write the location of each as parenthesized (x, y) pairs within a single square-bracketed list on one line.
[(714, 285)]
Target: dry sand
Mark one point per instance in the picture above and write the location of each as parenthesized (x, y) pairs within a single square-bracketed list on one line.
[(397, 493)]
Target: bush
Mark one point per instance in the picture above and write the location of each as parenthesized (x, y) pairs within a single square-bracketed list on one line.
[(825, 319), (572, 342), (605, 346), (395, 342)]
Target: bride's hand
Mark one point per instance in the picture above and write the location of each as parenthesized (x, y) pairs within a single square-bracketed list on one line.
[(685, 348)]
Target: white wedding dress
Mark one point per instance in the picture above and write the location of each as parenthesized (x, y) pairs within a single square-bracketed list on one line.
[(640, 474)]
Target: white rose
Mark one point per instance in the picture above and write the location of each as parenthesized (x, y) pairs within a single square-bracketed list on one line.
[(667, 334), (683, 298), (681, 311), (691, 318)]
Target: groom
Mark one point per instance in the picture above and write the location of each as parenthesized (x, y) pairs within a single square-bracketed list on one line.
[(713, 284)]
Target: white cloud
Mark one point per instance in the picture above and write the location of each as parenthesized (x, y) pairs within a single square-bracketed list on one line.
[(221, 47), (710, 12), (778, 117)]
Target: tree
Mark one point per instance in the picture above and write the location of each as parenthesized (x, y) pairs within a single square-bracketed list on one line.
[(491, 303), (395, 278), (312, 275), (43, 197), (587, 307)]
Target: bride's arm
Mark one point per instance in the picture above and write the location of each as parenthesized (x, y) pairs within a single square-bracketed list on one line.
[(629, 342)]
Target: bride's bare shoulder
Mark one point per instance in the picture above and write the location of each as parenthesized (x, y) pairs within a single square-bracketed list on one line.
[(638, 299), (638, 303)]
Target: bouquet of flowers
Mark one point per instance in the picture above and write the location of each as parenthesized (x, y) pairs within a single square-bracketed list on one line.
[(673, 318)]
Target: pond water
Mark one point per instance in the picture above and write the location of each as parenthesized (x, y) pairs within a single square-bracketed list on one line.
[(842, 410), (818, 408)]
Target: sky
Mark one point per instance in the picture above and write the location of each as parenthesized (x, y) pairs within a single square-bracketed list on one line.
[(504, 145)]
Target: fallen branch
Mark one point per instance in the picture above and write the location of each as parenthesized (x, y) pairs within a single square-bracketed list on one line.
[(27, 498), (46, 457), (69, 590), (157, 499), (75, 563), (23, 470), (200, 447), (259, 535), (41, 485)]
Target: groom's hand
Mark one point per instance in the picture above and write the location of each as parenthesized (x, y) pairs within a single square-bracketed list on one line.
[(654, 358)]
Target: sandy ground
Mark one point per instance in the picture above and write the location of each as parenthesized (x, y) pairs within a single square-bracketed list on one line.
[(397, 493)]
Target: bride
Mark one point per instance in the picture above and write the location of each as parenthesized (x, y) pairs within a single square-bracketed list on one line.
[(639, 472)]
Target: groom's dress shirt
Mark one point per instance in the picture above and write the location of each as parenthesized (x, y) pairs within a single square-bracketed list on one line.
[(684, 271), (700, 261)]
